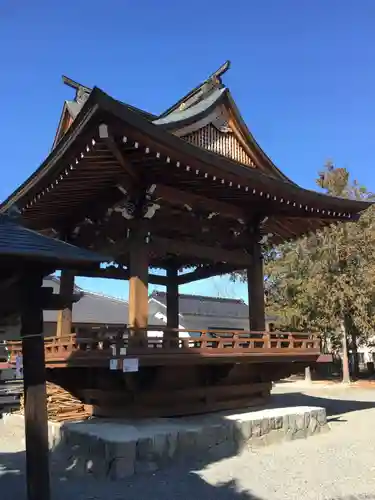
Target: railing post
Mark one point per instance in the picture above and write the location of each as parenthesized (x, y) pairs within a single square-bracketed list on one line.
[(268, 340)]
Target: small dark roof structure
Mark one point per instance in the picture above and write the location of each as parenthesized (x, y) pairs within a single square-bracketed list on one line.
[(19, 242)]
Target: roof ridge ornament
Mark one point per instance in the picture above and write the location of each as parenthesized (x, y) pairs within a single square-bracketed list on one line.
[(13, 214), (212, 83), (82, 92), (220, 72)]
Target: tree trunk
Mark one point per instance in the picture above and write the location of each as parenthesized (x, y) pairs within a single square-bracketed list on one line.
[(324, 346), (355, 354), (345, 358), (307, 374)]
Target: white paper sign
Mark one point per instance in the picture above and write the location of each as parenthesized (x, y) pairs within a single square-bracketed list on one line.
[(122, 351), (113, 364), (130, 365)]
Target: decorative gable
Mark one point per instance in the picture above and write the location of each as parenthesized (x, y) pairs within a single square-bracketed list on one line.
[(219, 142)]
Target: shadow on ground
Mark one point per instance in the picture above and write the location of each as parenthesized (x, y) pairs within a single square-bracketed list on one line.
[(180, 481), (334, 406), (174, 484)]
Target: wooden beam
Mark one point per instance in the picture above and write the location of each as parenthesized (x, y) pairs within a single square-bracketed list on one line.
[(198, 202), (205, 272), (206, 231), (115, 150), (64, 316), (116, 273), (164, 246), (34, 381)]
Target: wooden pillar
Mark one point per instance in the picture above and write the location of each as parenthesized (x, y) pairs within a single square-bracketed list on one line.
[(64, 317), (172, 300), (34, 381), (138, 285), (255, 284)]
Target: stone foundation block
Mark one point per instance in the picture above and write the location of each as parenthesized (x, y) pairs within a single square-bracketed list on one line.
[(117, 449)]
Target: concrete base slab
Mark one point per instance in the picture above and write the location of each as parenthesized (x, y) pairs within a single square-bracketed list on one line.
[(120, 448)]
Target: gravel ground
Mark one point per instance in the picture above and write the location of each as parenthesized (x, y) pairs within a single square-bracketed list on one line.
[(339, 465)]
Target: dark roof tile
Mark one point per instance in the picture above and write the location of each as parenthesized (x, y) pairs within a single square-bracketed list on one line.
[(200, 305)]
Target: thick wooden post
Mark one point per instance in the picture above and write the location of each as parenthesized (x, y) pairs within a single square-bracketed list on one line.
[(138, 285), (255, 283), (34, 381), (172, 301), (65, 316), (172, 297)]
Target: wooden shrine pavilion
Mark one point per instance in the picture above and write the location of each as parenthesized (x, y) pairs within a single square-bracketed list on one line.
[(188, 191)]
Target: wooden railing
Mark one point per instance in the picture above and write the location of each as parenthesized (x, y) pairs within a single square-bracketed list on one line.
[(162, 341)]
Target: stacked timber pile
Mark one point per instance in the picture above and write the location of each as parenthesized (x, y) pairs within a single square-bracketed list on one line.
[(61, 405)]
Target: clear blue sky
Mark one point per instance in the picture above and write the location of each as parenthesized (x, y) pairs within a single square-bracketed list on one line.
[(303, 76)]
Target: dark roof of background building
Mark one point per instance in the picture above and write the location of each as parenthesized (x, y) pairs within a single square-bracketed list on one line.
[(201, 305), (92, 308), (95, 308)]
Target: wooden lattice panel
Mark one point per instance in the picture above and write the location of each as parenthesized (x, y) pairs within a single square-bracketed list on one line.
[(222, 143)]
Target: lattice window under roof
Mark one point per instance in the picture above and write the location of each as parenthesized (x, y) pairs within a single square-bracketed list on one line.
[(222, 143)]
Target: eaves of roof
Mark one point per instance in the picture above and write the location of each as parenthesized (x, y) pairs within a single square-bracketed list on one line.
[(100, 101), (225, 164)]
